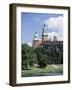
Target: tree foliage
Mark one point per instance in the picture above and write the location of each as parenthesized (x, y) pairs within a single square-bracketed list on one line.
[(54, 55), (40, 56), (28, 56), (42, 60)]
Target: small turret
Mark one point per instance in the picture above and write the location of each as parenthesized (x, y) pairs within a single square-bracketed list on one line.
[(55, 38), (35, 36)]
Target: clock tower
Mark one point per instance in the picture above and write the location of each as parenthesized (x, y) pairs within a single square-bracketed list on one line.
[(44, 33)]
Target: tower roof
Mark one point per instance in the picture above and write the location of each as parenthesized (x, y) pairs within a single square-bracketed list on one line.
[(35, 36), (44, 29)]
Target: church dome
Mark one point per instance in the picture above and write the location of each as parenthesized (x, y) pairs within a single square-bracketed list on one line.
[(36, 36)]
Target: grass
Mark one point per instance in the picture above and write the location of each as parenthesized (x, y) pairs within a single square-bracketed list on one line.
[(34, 71)]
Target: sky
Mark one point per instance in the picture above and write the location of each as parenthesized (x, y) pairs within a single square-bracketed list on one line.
[(33, 22)]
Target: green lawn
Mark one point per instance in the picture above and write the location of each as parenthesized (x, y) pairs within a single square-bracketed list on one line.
[(39, 71)]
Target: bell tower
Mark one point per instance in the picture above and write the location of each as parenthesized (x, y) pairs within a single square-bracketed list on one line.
[(36, 40), (44, 33)]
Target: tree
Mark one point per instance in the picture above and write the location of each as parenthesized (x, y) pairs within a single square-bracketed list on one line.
[(42, 57), (32, 57), (53, 54), (42, 60), (28, 56)]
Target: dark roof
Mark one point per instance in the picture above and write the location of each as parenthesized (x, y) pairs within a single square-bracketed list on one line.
[(52, 43)]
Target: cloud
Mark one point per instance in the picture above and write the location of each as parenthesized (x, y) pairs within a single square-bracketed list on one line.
[(55, 23), (52, 34)]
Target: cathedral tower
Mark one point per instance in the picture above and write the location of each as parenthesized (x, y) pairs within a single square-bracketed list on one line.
[(44, 33), (36, 40)]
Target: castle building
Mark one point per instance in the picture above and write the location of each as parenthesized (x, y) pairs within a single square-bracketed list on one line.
[(45, 42), (36, 41)]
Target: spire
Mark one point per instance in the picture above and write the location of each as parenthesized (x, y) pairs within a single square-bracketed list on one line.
[(44, 33), (44, 30), (35, 36), (55, 38)]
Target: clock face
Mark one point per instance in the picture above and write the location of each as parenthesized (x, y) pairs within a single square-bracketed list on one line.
[(45, 32)]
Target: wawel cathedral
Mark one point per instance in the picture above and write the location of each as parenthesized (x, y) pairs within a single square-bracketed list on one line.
[(45, 41)]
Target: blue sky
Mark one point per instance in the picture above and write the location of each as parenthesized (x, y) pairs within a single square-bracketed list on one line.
[(32, 22)]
